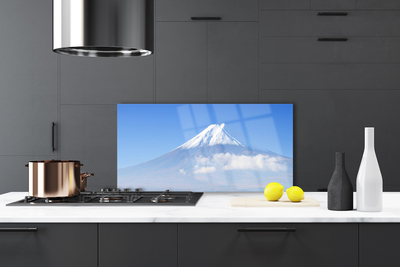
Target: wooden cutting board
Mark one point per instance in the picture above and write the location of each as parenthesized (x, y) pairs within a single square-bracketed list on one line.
[(263, 202)]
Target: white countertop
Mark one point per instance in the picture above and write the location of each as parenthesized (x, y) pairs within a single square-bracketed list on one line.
[(211, 208)]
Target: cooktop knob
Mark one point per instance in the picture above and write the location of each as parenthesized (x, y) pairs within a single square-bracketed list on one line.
[(105, 190)]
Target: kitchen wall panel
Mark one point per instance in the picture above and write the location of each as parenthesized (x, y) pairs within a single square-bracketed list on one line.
[(106, 80), (89, 134), (356, 109), (336, 89), (14, 174), (314, 112)]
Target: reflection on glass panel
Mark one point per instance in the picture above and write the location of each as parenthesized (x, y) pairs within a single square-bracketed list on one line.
[(248, 111), (226, 113)]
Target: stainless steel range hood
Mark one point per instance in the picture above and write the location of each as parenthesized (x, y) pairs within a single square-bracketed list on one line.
[(103, 28)]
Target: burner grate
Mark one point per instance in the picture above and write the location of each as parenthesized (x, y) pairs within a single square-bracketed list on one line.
[(117, 197)]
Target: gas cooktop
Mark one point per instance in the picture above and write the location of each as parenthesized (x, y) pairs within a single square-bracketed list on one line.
[(108, 196)]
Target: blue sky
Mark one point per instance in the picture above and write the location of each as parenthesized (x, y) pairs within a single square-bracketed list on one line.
[(147, 131)]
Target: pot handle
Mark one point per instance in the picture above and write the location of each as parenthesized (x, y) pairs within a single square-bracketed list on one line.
[(86, 175)]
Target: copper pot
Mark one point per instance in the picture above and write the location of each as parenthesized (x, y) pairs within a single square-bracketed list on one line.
[(55, 178)]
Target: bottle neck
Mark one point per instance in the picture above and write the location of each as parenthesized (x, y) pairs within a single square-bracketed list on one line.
[(340, 160), (369, 138)]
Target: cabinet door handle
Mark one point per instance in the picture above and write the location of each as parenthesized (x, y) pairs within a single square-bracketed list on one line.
[(333, 13), (18, 229), (332, 39), (266, 229), (52, 136), (206, 18)]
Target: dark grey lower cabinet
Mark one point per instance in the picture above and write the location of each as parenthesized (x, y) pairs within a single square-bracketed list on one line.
[(151, 244), (268, 245), (48, 245), (199, 244), (379, 244)]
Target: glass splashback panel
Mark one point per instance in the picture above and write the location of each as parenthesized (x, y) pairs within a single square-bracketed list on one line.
[(205, 147)]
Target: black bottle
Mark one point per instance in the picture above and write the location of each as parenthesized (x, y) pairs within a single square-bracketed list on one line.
[(340, 190)]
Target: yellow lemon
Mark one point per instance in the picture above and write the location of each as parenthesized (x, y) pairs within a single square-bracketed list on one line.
[(295, 194), (273, 191)]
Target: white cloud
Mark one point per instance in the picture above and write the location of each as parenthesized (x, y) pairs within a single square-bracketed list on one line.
[(227, 161), (204, 169), (202, 161), (182, 171)]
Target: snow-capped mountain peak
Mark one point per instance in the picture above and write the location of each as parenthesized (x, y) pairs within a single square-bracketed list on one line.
[(214, 134)]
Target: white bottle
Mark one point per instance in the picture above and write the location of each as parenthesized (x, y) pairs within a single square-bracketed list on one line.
[(369, 177)]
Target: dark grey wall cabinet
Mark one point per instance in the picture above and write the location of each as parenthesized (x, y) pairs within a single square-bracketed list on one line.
[(28, 89), (378, 4), (333, 4), (259, 51), (338, 86), (310, 23), (232, 60), (267, 244), (203, 61), (138, 245), (181, 62), (307, 4), (228, 10), (310, 50), (48, 245), (284, 4)]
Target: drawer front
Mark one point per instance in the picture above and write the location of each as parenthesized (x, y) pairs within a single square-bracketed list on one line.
[(48, 245), (379, 244), (378, 4), (329, 76), (137, 244), (309, 23), (309, 49), (227, 10), (241, 245), (284, 4), (307, 4)]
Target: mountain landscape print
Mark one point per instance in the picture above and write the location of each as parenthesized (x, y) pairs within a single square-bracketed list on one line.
[(205, 147)]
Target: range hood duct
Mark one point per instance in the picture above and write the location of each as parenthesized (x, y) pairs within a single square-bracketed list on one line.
[(103, 28)]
